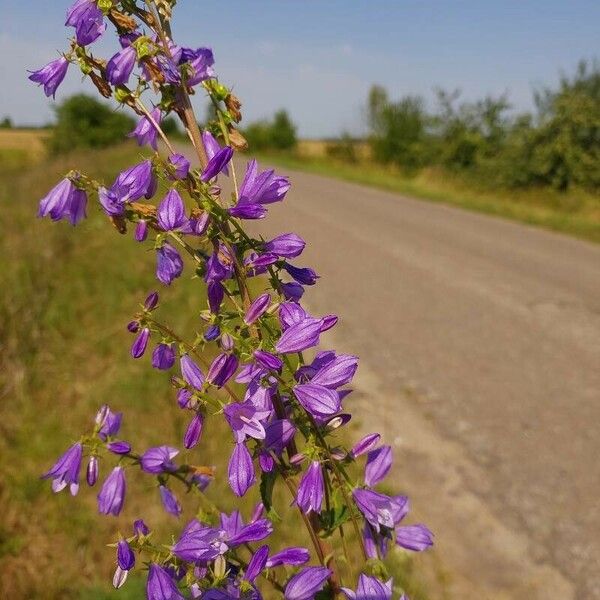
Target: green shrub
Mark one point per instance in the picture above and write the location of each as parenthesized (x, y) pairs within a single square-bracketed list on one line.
[(278, 134), (84, 122)]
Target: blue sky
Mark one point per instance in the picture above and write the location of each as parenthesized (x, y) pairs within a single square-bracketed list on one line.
[(318, 58)]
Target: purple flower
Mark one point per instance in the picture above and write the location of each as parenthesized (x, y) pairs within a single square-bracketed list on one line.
[(253, 532), (292, 292), (288, 245), (169, 501), (110, 423), (365, 444), (119, 447), (145, 132), (160, 585), (268, 360), (378, 465), (305, 276), (125, 556), (163, 356), (66, 470), (248, 211), (305, 584), (140, 528), (134, 182), (88, 21), (300, 336), (151, 301), (171, 212), (370, 588), (257, 563), (278, 434), (159, 460), (215, 292), (217, 163), (201, 61), (141, 230), (337, 372), (191, 372), (199, 542), (414, 537), (262, 188), (169, 264), (91, 474), (112, 494), (64, 201), (121, 65), (311, 488), (289, 556), (180, 164), (141, 341), (193, 431), (241, 470), (379, 509), (257, 308), (222, 369), (319, 401), (212, 147), (245, 420), (212, 333), (51, 75)]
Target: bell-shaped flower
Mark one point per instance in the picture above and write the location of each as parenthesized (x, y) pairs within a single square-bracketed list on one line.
[(305, 584), (159, 460), (294, 556), (311, 489), (193, 431), (140, 344), (300, 336), (51, 75), (319, 401), (286, 245), (88, 21), (169, 501), (241, 470), (160, 585), (212, 147), (120, 66), (64, 201), (180, 165), (257, 308), (65, 471), (414, 537), (303, 275), (378, 465), (222, 369), (163, 357), (278, 434), (191, 372), (112, 493), (217, 163), (366, 443), (145, 131), (169, 264), (201, 61), (245, 420), (370, 588), (336, 372), (110, 423), (171, 212)]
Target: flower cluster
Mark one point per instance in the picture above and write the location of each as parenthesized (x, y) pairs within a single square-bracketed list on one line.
[(254, 362)]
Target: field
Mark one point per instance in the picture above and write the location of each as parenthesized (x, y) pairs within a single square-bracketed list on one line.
[(64, 351)]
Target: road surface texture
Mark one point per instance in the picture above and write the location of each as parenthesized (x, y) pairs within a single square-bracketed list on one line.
[(479, 341)]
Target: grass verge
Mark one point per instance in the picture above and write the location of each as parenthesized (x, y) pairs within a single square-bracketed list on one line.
[(64, 351)]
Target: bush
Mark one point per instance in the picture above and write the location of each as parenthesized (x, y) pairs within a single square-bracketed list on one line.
[(278, 134), (343, 149), (83, 122)]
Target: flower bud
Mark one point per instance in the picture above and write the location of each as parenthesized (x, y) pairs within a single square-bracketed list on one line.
[(141, 230), (141, 341), (91, 474), (133, 326), (226, 342), (151, 301), (212, 333), (119, 447)]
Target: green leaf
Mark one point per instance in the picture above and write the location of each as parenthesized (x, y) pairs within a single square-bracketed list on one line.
[(267, 483)]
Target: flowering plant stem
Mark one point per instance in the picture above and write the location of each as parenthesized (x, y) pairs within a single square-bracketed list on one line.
[(245, 364)]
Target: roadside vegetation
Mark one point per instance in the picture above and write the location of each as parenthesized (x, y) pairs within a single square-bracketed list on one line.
[(64, 351), (541, 168)]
